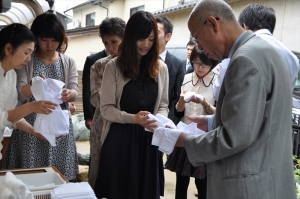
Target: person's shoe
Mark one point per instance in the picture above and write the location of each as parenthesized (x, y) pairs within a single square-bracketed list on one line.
[(196, 192)]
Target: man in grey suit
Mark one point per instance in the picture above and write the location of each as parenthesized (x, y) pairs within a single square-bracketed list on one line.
[(175, 65), (248, 151)]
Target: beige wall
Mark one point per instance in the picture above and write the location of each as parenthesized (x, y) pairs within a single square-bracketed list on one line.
[(82, 46), (287, 27)]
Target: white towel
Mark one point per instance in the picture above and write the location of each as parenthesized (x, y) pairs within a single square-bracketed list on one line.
[(80, 190), (56, 123), (167, 139), (15, 188), (188, 95)]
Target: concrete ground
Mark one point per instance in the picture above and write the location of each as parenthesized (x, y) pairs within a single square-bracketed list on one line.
[(170, 177)]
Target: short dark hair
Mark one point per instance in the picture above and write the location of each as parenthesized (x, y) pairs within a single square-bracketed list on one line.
[(168, 26), (112, 26), (204, 59), (190, 43), (139, 26), (48, 25), (258, 16), (15, 34)]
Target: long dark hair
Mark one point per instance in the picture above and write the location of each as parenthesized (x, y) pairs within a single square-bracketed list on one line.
[(15, 34), (139, 26)]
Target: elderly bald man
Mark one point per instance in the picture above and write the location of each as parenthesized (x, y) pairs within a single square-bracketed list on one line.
[(248, 150)]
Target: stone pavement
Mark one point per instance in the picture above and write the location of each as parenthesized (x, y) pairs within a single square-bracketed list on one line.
[(170, 177)]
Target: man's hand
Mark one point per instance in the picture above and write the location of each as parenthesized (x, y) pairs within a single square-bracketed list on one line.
[(200, 120), (88, 124)]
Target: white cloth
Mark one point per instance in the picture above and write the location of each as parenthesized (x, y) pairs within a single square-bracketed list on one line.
[(54, 124), (290, 59), (188, 96), (80, 190), (166, 134), (8, 99), (13, 188), (220, 70)]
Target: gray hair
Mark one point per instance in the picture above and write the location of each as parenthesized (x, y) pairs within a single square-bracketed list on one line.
[(216, 8)]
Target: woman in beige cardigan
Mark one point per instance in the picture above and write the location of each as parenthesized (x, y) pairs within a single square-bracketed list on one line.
[(134, 84)]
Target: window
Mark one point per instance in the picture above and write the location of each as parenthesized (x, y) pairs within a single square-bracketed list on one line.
[(90, 19), (134, 10)]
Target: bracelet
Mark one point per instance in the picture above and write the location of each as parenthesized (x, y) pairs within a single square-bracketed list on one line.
[(207, 107)]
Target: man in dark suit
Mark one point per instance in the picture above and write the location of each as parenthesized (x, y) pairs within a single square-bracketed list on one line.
[(188, 66), (175, 65), (88, 108)]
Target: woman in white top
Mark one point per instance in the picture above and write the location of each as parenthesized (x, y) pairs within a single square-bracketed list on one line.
[(16, 45), (200, 81)]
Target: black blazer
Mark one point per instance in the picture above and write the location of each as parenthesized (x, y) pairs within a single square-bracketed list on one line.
[(176, 75), (88, 108), (190, 68)]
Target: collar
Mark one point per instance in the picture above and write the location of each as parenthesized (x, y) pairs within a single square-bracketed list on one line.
[(163, 55), (206, 79), (263, 31), (234, 44)]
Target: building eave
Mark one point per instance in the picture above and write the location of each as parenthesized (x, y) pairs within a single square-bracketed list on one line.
[(176, 9), (82, 31)]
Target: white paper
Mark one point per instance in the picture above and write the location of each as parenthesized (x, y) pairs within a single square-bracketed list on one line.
[(188, 96)]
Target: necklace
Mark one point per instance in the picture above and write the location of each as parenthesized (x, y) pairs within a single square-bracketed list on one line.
[(210, 83)]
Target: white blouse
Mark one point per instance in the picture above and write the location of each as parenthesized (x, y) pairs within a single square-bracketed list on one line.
[(200, 86), (8, 99)]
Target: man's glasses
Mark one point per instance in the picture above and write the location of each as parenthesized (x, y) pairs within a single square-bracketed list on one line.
[(193, 39), (199, 64)]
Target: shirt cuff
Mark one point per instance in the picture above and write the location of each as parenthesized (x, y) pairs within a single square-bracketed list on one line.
[(210, 119)]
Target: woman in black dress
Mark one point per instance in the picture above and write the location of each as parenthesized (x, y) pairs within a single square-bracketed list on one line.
[(134, 84)]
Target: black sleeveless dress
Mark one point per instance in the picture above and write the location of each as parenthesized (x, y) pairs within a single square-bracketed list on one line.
[(129, 166)]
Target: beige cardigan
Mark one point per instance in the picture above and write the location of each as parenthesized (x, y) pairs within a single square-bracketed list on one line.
[(111, 91), (70, 71)]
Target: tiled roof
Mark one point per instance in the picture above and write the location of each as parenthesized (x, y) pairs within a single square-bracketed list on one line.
[(179, 8)]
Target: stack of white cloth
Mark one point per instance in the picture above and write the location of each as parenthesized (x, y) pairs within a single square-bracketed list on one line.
[(13, 188), (80, 190), (56, 123), (166, 134)]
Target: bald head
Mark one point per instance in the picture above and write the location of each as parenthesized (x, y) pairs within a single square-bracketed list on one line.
[(214, 28), (216, 8)]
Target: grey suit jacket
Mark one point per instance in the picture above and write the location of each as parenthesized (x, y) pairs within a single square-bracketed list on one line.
[(249, 153)]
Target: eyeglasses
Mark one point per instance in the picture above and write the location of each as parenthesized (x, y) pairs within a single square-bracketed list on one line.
[(199, 64), (193, 39)]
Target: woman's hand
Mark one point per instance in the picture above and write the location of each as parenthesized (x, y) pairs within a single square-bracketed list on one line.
[(72, 108), (67, 95), (142, 119), (42, 106)]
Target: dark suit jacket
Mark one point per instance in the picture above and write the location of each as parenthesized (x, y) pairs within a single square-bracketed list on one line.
[(88, 108), (176, 75), (190, 68)]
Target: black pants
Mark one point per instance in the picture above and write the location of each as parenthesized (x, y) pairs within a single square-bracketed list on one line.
[(182, 184)]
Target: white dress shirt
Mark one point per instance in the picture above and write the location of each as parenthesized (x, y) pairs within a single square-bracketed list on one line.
[(8, 99), (290, 59)]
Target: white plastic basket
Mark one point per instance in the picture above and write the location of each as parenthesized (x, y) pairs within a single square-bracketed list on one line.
[(45, 194)]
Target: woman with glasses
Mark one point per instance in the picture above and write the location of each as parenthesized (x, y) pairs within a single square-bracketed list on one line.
[(200, 81), (16, 45), (24, 150)]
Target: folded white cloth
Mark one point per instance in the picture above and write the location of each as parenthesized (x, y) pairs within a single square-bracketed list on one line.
[(166, 138), (81, 190), (56, 123), (161, 121), (13, 188), (188, 95)]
